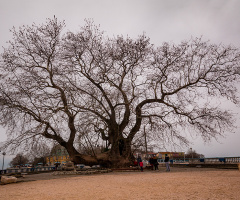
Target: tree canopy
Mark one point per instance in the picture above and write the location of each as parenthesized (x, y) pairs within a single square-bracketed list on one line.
[(69, 87)]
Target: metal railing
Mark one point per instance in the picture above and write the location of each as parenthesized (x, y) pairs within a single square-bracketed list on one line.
[(216, 160), (25, 170)]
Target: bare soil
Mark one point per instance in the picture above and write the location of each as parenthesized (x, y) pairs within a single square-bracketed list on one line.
[(180, 183)]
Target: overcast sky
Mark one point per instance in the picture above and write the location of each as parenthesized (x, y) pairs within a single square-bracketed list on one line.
[(161, 20)]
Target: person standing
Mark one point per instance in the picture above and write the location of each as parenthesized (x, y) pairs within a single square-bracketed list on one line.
[(166, 160), (151, 162), (139, 159), (135, 163), (141, 166), (155, 163)]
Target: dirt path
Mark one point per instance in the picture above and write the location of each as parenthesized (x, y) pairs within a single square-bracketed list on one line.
[(178, 184)]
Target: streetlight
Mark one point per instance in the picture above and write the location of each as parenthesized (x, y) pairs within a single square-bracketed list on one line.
[(191, 154), (3, 159)]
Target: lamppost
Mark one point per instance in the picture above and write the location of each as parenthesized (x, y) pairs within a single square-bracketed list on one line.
[(191, 154), (3, 159)]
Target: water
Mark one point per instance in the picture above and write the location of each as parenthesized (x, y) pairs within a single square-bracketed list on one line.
[(7, 160)]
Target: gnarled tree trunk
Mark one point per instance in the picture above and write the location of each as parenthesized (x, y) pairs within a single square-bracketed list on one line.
[(120, 155)]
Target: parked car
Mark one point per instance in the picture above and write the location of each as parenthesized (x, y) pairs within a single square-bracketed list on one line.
[(79, 166)]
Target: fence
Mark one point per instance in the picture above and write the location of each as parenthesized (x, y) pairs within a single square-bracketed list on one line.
[(25, 170), (217, 160)]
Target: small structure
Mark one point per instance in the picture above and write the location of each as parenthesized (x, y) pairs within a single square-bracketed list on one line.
[(58, 155)]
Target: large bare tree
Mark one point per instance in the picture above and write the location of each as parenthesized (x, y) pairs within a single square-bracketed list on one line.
[(64, 86)]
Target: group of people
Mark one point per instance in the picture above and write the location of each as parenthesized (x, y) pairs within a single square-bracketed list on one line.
[(153, 161)]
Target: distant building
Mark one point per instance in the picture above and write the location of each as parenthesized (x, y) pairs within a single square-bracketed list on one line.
[(171, 155), (161, 155), (58, 155)]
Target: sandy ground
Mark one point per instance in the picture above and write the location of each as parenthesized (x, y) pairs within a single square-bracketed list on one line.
[(183, 183)]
